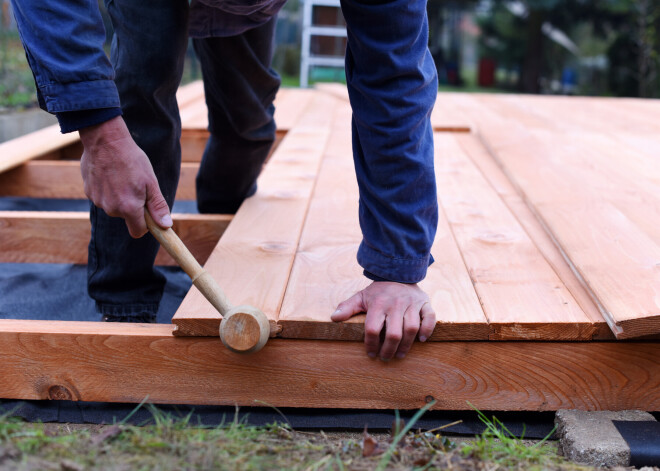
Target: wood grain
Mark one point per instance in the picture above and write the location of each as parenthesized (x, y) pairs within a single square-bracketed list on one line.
[(522, 296), (535, 230), (62, 237), (596, 197), (126, 363), (252, 261), (326, 272)]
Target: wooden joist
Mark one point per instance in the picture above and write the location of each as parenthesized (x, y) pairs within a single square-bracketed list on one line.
[(62, 179), (62, 237), (127, 363)]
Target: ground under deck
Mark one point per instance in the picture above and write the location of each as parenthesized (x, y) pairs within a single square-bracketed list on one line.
[(547, 250)]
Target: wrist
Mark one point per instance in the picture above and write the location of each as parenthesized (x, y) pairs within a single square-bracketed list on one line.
[(104, 133)]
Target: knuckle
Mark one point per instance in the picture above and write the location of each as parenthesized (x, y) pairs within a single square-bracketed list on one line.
[(393, 336), (372, 332), (411, 330)]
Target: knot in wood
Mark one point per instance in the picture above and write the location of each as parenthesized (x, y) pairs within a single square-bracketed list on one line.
[(275, 247), (59, 393)]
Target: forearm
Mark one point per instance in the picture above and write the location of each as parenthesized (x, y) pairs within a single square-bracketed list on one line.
[(392, 86), (63, 42)]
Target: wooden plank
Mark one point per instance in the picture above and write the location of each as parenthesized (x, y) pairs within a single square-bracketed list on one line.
[(446, 117), (522, 296), (62, 179), (34, 145), (193, 143), (253, 259), (326, 272), (585, 196), (535, 230), (62, 237), (126, 363), (290, 104)]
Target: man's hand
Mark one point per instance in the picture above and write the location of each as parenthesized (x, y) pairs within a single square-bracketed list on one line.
[(119, 178), (398, 308)]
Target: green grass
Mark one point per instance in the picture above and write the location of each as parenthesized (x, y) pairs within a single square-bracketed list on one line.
[(499, 446), (173, 443)]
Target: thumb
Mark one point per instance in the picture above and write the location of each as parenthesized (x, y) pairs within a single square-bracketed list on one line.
[(157, 206), (349, 308)]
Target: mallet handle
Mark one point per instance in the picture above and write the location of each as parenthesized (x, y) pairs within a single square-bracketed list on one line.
[(182, 256)]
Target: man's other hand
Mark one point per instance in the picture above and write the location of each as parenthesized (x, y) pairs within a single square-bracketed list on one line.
[(119, 178), (403, 310)]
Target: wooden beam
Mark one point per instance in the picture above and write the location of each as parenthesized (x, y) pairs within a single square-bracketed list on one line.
[(62, 237), (107, 362), (62, 179)]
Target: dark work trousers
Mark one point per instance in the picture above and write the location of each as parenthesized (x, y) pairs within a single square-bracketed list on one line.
[(148, 50)]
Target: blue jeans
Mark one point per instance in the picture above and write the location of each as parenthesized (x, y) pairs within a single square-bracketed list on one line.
[(147, 54)]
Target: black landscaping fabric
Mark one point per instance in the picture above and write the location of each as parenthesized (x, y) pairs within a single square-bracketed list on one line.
[(59, 292), (643, 439), (530, 425)]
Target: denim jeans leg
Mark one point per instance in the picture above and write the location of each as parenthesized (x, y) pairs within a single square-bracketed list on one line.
[(148, 50), (240, 87)]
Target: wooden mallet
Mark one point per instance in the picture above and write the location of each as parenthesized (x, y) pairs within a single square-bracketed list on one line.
[(243, 329)]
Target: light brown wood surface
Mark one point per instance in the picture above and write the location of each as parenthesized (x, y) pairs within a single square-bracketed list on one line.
[(520, 293), (34, 145), (62, 179), (62, 237), (126, 363), (252, 261), (595, 193), (326, 272)]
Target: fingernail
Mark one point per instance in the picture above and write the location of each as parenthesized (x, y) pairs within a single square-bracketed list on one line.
[(400, 355), (371, 355), (167, 220), (422, 339), (338, 311)]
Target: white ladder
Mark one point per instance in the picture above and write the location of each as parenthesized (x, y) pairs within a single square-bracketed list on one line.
[(307, 60)]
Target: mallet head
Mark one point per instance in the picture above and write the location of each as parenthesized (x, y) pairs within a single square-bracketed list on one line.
[(244, 329)]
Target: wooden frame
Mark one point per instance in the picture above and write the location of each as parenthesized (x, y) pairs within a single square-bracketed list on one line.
[(128, 363), (497, 363)]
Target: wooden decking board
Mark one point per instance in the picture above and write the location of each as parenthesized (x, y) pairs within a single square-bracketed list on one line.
[(536, 232), (253, 260), (289, 107), (126, 363), (522, 296), (326, 272), (63, 237), (596, 197)]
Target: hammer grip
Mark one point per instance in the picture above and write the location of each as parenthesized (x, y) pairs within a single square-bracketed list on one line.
[(182, 256)]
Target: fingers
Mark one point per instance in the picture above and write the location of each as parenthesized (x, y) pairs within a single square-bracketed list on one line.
[(350, 307), (428, 322), (410, 329), (393, 334), (157, 206), (137, 226), (372, 327)]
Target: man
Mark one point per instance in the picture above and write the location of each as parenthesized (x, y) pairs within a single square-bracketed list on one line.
[(130, 128)]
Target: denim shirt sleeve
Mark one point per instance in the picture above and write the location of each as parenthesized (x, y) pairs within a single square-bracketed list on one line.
[(392, 85), (63, 42)]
